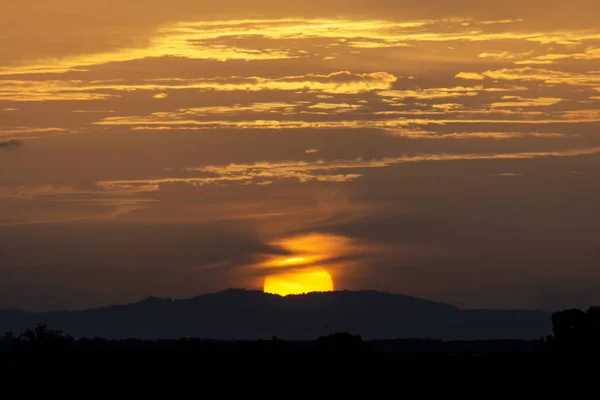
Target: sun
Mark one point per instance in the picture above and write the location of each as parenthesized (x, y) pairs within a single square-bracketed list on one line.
[(315, 279), (302, 269)]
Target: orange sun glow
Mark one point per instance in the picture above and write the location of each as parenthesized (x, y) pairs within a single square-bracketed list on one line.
[(308, 280), (302, 271)]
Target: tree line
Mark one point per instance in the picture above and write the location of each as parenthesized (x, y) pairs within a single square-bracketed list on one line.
[(573, 331)]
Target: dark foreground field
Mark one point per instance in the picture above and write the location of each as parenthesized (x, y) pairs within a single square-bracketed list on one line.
[(45, 341), (575, 333)]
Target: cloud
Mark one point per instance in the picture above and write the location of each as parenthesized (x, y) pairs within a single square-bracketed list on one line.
[(470, 76), (11, 144), (86, 210), (203, 40), (315, 171), (582, 115), (448, 106), (54, 90), (52, 204), (92, 111), (157, 123), (419, 134), (26, 130), (508, 174), (433, 93), (341, 82), (273, 107), (590, 53), (517, 101), (335, 107), (505, 55), (182, 257), (536, 74), (529, 57)]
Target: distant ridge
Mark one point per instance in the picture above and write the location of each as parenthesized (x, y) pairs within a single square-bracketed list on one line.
[(249, 314)]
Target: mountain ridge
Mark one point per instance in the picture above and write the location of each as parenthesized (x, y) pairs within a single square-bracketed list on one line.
[(251, 314)]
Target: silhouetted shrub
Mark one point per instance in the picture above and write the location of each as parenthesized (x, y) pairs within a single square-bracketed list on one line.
[(576, 331), (42, 338)]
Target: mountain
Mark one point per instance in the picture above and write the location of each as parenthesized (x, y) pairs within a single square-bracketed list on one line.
[(245, 314)]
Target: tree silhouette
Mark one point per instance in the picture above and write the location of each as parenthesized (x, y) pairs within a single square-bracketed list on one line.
[(569, 325), (576, 330), (594, 321), (42, 338)]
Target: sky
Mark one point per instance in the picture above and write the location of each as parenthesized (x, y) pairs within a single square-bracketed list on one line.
[(448, 150)]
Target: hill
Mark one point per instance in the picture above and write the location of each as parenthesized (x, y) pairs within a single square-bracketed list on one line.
[(248, 315)]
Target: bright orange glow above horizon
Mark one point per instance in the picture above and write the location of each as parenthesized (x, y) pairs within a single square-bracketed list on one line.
[(314, 279), (303, 270)]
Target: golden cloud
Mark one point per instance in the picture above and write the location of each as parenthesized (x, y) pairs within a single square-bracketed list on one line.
[(517, 101), (25, 130), (417, 134), (535, 74), (435, 93), (319, 171), (204, 39), (342, 82), (470, 76)]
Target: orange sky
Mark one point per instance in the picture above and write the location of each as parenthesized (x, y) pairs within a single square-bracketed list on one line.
[(165, 148)]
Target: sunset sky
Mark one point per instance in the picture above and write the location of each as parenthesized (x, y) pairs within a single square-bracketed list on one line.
[(448, 150)]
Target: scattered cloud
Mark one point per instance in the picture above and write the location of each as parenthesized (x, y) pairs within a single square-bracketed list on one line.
[(25, 130), (342, 82), (508, 174), (517, 101), (335, 107), (505, 55), (470, 76), (10, 144), (535, 74), (419, 134), (316, 171), (434, 93), (93, 111)]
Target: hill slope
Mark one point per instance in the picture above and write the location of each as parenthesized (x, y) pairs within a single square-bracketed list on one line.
[(243, 314)]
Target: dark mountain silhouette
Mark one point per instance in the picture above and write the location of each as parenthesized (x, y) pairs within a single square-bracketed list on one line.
[(244, 314)]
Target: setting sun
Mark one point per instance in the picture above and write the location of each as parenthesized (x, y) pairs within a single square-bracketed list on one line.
[(303, 270), (304, 281)]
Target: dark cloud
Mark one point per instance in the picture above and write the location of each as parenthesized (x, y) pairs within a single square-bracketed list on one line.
[(96, 264), (11, 144)]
